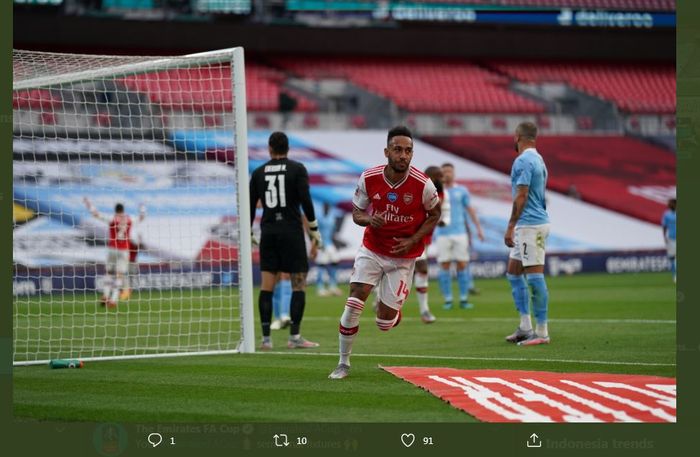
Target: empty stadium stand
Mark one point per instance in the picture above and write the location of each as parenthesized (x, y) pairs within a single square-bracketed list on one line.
[(421, 85), (206, 89), (634, 88), (36, 99), (619, 173)]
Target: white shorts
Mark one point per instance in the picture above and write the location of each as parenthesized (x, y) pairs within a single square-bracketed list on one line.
[(453, 248), (530, 244), (117, 261), (327, 255), (391, 276), (671, 247)]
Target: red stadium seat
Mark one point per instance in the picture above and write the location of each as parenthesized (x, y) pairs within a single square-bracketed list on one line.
[(261, 122), (454, 122), (634, 88), (211, 120), (498, 123), (634, 123), (358, 121), (208, 89), (444, 86), (543, 121), (584, 122), (47, 118), (102, 120), (311, 121), (36, 99)]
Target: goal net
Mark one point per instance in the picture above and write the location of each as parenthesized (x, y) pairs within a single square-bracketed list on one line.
[(164, 138)]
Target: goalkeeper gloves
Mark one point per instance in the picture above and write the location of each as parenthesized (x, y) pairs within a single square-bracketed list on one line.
[(315, 235)]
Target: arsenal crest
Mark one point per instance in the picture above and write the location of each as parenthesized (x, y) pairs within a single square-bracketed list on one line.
[(408, 198)]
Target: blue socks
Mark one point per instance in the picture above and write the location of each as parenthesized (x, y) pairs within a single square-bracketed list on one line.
[(286, 296), (521, 297), (331, 270), (319, 280), (332, 276), (540, 296), (673, 266), (281, 298), (463, 280), (445, 282), (276, 292)]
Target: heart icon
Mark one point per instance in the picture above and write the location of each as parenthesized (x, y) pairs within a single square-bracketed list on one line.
[(407, 439)]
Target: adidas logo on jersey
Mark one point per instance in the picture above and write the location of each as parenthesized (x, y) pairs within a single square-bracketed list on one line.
[(377, 197)]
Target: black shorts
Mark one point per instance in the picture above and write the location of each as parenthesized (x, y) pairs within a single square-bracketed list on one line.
[(283, 251)]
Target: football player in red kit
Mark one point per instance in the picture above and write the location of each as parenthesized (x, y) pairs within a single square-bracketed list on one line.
[(399, 206)]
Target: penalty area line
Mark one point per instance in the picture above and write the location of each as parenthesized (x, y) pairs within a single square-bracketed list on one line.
[(495, 359)]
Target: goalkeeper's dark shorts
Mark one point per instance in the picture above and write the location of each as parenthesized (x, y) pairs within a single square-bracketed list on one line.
[(283, 250)]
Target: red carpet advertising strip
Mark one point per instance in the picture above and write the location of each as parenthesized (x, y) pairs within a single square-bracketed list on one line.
[(540, 396)]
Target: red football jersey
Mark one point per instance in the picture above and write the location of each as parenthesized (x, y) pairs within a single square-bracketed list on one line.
[(404, 205), (119, 231), (133, 251)]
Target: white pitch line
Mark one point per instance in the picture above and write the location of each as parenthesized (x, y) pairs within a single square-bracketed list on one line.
[(156, 321), (510, 319), (499, 359), (584, 321)]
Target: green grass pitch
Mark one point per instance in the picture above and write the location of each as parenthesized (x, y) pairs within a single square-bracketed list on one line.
[(599, 323)]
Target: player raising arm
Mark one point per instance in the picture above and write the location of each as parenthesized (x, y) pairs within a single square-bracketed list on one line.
[(118, 249), (399, 206)]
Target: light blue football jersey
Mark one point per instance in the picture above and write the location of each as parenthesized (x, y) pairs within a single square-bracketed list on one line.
[(529, 170), (668, 221), (459, 202), (326, 224)]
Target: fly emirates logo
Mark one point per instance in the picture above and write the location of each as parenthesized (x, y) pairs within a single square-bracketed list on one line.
[(391, 214)]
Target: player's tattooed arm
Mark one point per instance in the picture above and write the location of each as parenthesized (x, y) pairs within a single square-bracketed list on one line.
[(363, 219), (518, 205)]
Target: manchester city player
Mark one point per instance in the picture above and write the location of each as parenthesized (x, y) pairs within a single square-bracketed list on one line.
[(668, 223), (453, 240), (527, 232)]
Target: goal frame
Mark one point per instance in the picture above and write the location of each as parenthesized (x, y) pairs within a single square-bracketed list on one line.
[(236, 58)]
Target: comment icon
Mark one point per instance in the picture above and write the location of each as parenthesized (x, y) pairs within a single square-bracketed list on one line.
[(155, 439)]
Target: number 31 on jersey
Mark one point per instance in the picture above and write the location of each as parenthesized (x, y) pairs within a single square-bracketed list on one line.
[(275, 192)]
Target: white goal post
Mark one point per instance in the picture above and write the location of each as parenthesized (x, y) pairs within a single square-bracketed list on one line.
[(98, 138)]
